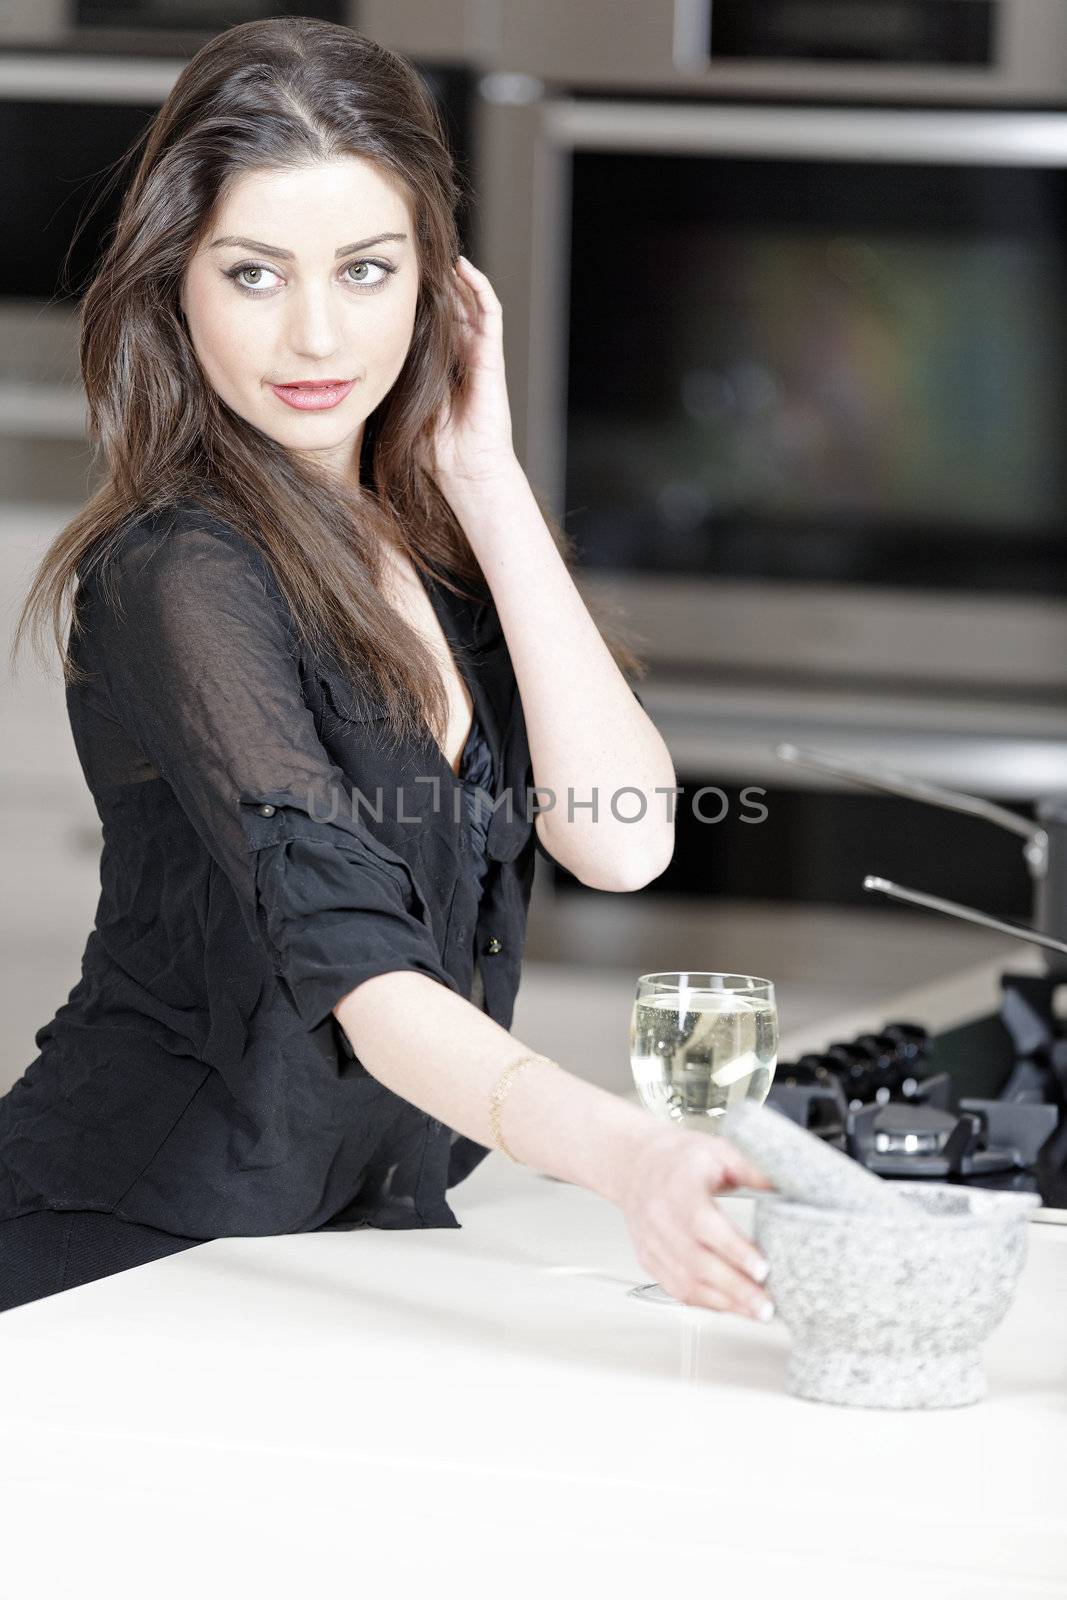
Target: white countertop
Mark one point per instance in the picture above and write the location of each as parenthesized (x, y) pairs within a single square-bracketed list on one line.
[(485, 1410)]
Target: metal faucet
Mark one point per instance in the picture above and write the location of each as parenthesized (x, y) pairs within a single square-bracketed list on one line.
[(1047, 866), (952, 908)]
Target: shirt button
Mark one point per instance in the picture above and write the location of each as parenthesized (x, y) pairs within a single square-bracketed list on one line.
[(266, 811), (494, 947)]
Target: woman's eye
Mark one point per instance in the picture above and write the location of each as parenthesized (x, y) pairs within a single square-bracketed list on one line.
[(237, 273), (249, 277), (374, 266)]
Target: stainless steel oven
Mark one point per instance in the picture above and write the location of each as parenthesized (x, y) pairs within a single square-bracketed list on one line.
[(786, 292)]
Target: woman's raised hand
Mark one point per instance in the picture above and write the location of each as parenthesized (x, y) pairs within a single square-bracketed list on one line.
[(470, 441)]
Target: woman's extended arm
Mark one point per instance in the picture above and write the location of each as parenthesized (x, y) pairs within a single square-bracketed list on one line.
[(442, 1054)]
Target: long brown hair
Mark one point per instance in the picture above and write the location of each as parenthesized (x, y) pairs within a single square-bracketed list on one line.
[(278, 93)]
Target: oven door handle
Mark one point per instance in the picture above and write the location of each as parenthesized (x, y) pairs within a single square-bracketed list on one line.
[(802, 133)]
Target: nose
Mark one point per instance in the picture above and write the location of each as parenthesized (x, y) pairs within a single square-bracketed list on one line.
[(315, 323)]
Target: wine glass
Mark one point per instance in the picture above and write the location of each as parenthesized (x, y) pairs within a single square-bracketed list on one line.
[(701, 1042)]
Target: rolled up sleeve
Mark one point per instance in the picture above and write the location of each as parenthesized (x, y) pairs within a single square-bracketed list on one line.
[(202, 670)]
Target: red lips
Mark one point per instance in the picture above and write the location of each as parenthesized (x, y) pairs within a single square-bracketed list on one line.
[(318, 396)]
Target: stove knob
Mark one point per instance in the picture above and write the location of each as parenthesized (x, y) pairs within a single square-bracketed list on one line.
[(889, 1072), (882, 1047), (809, 1072), (853, 1067), (912, 1041)]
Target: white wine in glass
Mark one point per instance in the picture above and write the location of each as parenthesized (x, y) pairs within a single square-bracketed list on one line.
[(699, 1043)]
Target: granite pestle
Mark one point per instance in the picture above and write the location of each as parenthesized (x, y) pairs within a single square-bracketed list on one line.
[(804, 1167)]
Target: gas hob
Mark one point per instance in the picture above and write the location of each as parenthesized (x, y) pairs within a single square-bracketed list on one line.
[(983, 1104)]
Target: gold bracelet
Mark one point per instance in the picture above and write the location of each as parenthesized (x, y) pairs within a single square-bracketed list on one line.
[(503, 1084)]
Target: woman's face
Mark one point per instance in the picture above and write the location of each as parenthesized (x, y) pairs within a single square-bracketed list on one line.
[(321, 283)]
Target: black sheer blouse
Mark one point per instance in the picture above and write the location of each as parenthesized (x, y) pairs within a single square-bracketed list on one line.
[(264, 851)]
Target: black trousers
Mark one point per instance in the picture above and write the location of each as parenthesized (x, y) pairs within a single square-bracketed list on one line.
[(45, 1252)]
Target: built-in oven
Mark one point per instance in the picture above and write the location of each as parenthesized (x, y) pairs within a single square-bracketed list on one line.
[(786, 290)]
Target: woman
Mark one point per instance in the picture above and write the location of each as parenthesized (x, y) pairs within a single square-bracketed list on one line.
[(315, 576)]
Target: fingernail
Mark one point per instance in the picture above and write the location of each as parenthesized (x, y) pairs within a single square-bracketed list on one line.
[(765, 1311), (758, 1268)]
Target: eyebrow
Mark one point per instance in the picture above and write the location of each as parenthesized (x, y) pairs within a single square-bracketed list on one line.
[(289, 255)]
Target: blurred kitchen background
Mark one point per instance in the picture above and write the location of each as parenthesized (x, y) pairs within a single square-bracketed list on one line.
[(785, 296)]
